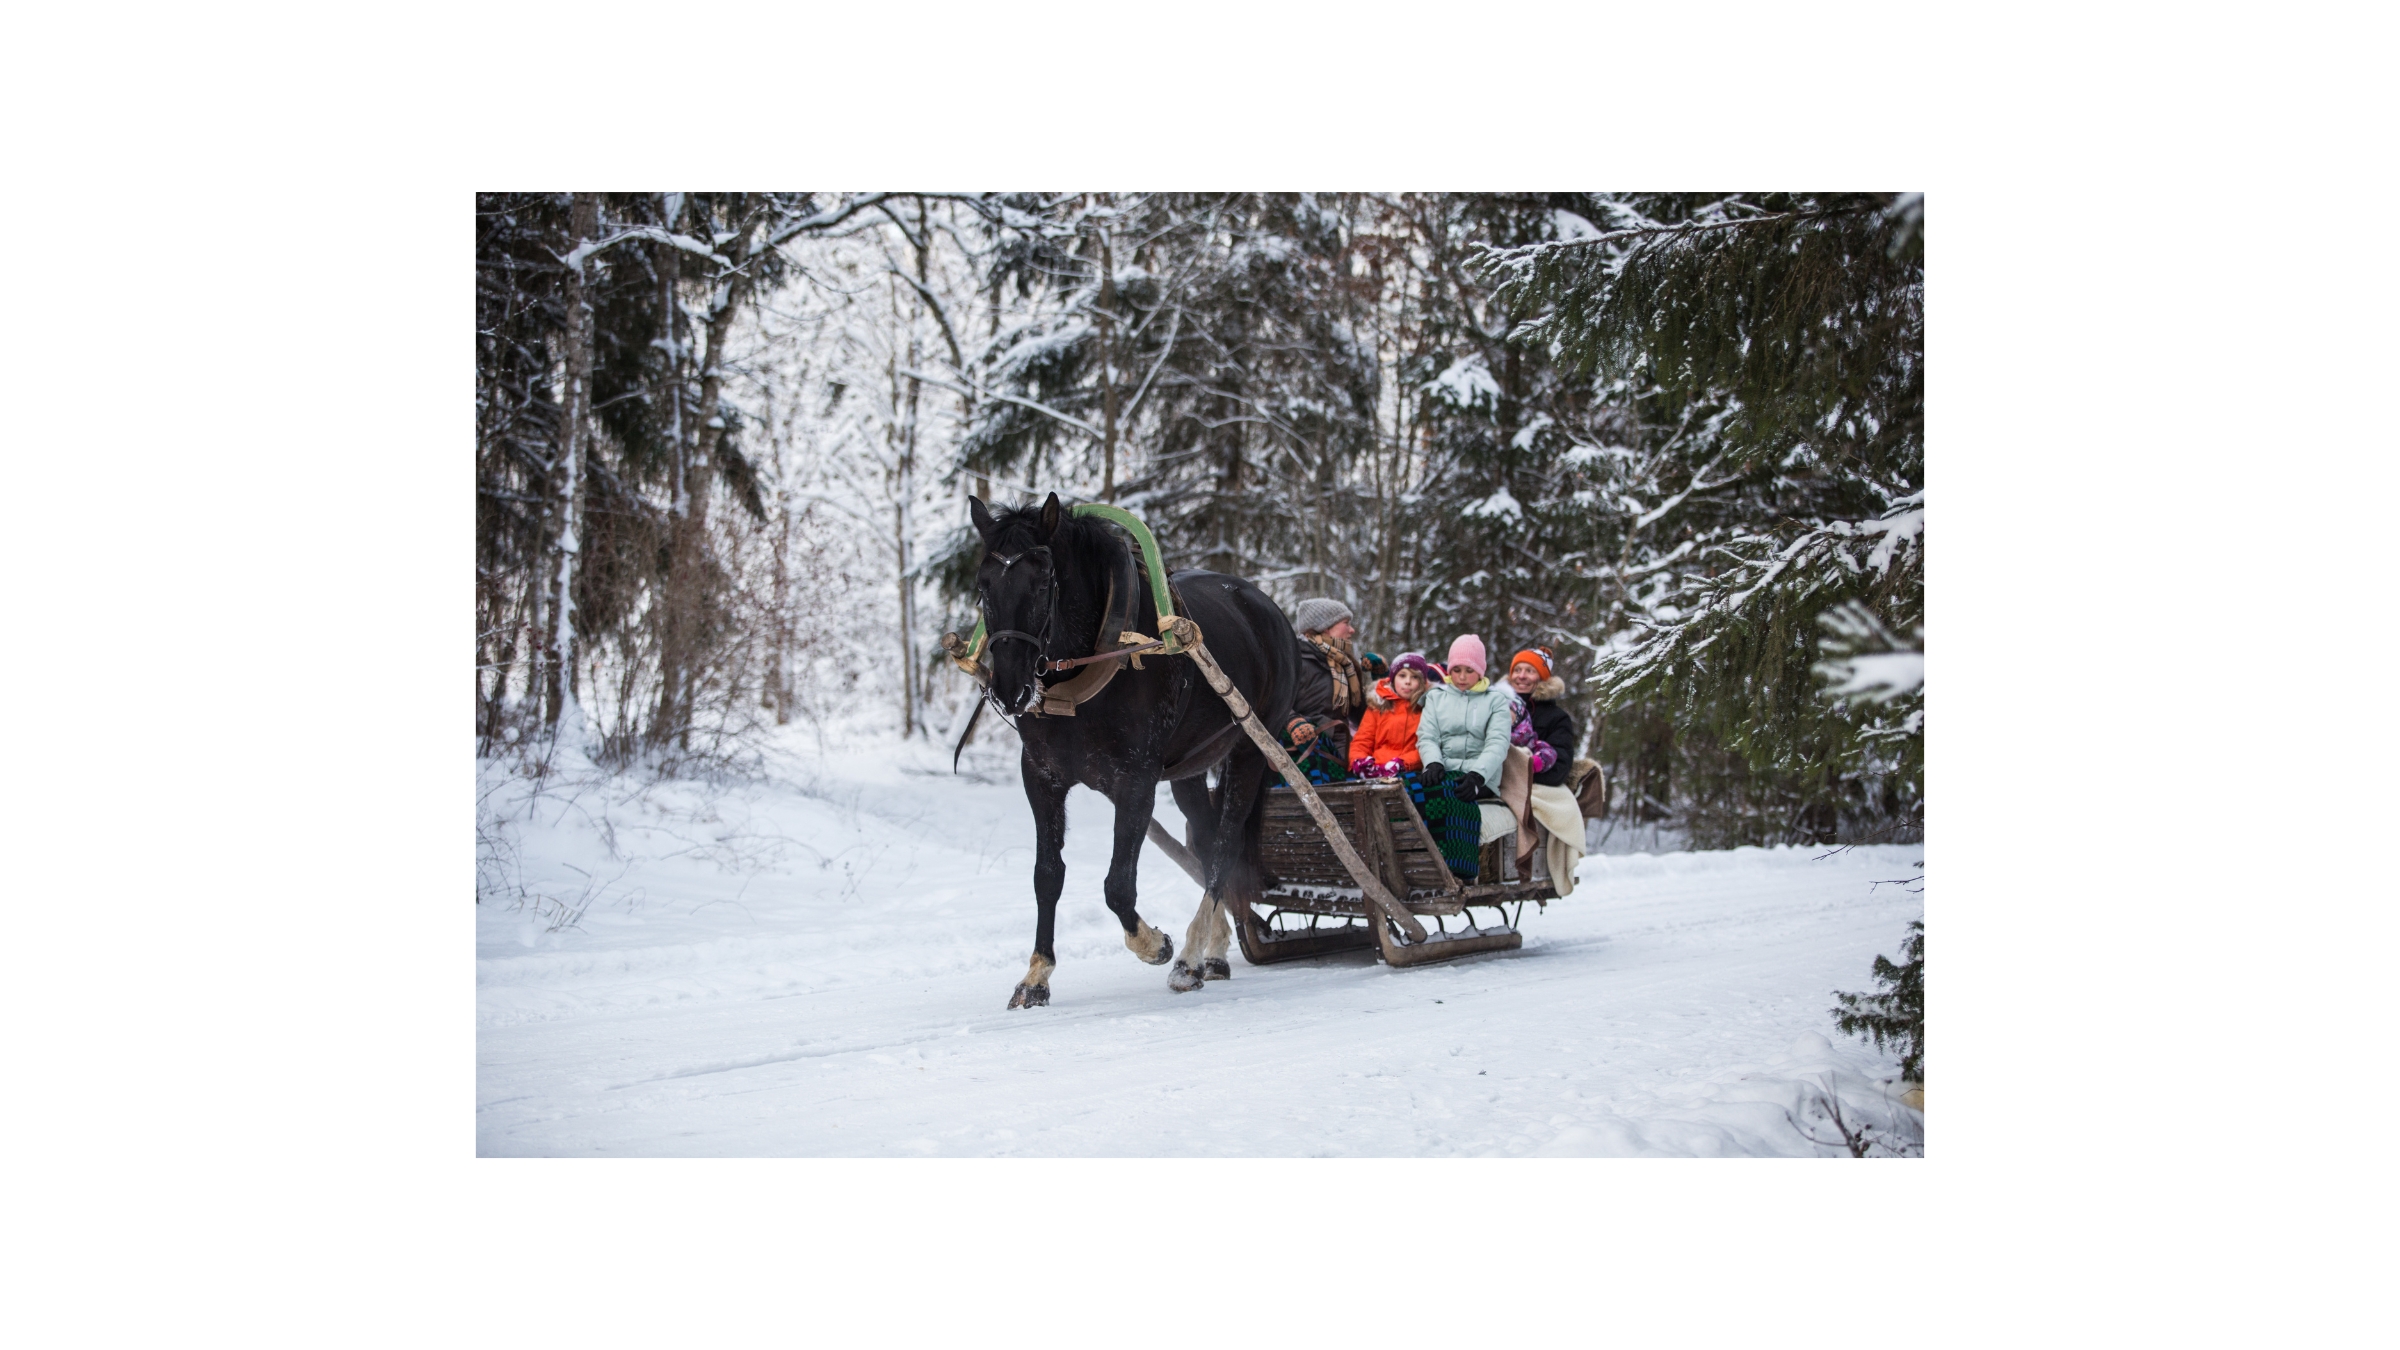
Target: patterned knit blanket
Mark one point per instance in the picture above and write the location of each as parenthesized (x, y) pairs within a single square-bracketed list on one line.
[(1456, 824)]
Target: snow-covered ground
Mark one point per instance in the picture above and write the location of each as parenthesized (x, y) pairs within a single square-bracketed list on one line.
[(816, 962)]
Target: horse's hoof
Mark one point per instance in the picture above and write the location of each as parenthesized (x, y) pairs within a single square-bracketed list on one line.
[(1164, 954), (1183, 979), (1030, 996), (1215, 968)]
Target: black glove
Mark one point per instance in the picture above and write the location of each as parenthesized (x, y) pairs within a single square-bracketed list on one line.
[(1470, 785), (1430, 775)]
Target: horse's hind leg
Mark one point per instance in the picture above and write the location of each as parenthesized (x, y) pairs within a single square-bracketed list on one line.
[(1187, 974), (1210, 957), (1241, 819), (1220, 935), (1199, 813)]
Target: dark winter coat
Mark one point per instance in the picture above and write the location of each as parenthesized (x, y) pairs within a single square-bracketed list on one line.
[(1316, 697), (1555, 725), (1331, 679)]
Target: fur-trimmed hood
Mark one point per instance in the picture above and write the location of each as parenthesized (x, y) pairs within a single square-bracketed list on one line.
[(1548, 691)]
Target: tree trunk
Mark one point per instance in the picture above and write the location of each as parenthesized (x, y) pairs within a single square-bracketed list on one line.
[(903, 524), (1108, 369), (778, 694), (668, 263), (559, 659), (688, 550)]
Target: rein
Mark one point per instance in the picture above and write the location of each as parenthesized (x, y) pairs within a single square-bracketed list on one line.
[(1048, 667)]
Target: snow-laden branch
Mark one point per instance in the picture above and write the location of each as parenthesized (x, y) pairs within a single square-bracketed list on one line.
[(1525, 253), (1866, 661), (1875, 677), (821, 220), (1751, 565), (1043, 408), (1174, 325), (1651, 515), (583, 252), (940, 315)]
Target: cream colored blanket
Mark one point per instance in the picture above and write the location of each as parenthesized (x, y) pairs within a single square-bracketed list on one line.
[(1562, 821), (1528, 804)]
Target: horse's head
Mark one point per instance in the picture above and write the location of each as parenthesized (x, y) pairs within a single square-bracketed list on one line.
[(1017, 585)]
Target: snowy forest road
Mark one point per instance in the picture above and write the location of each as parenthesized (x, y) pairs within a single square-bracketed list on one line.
[(1673, 1005)]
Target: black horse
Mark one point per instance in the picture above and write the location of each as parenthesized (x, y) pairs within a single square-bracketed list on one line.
[(1054, 587)]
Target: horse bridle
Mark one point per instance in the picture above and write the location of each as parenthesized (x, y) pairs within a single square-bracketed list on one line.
[(1041, 641)]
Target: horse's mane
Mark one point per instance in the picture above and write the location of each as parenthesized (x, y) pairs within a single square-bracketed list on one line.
[(1086, 553), (1084, 547)]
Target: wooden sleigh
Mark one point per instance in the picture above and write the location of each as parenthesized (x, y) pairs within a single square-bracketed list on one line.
[(1307, 886), (1312, 904)]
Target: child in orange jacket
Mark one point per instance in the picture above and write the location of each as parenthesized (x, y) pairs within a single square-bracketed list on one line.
[(1386, 743)]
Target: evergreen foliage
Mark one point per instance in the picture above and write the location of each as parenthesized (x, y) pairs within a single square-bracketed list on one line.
[(1896, 1016), (1764, 357)]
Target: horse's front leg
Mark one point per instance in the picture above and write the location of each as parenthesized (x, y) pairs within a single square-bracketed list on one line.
[(1049, 800), (1133, 802)]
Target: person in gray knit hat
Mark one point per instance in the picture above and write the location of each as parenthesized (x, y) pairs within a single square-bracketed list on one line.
[(1332, 693), (1320, 614)]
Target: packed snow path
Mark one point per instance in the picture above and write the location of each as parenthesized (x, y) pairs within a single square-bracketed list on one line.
[(818, 966)]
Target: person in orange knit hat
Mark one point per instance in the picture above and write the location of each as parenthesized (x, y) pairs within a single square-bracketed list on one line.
[(1547, 731)]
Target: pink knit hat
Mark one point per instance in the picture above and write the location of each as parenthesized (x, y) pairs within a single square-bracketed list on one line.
[(1468, 650)]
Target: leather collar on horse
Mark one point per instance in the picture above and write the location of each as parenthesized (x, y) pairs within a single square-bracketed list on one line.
[(1116, 616)]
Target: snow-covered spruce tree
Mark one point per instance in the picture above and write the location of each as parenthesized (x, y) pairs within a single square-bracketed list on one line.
[(1764, 356), (1518, 517), (1191, 356), (1894, 1017), (1263, 398)]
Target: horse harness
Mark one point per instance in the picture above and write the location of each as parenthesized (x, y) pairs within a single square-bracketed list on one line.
[(1040, 641), (1060, 700)]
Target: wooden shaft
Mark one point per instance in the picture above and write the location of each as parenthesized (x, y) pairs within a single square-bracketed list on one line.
[(1176, 852), (1368, 883)]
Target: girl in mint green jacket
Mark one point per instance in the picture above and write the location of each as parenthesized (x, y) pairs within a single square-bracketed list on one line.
[(1466, 723), (1463, 742)]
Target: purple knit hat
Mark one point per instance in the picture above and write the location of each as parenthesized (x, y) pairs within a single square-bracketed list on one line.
[(1416, 661), (1469, 650)]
